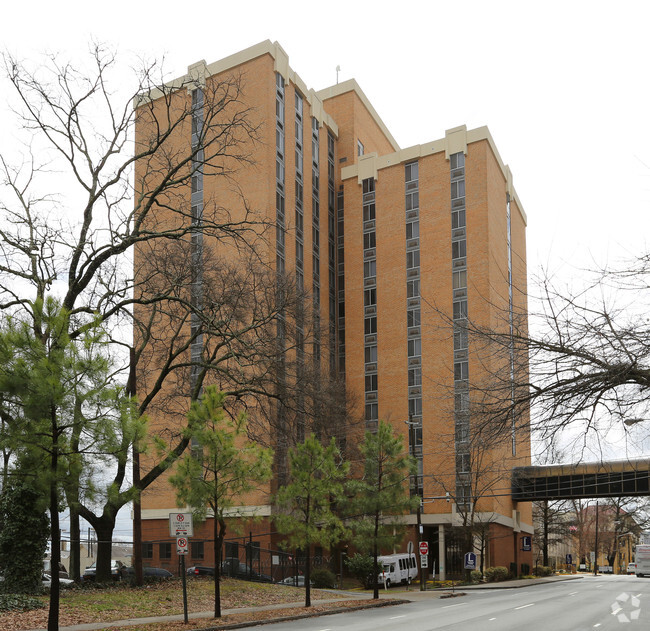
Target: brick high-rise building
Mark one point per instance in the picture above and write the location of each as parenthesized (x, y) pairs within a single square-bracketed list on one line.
[(397, 249)]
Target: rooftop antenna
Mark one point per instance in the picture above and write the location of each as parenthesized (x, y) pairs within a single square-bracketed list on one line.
[(338, 69)]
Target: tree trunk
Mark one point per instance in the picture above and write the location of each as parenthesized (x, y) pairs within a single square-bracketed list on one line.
[(308, 575), (55, 556), (75, 545), (545, 536), (104, 529), (219, 530)]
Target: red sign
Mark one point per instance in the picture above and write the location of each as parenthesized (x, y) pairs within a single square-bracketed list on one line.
[(424, 548)]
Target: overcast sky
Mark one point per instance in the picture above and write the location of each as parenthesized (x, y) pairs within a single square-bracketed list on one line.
[(562, 86)]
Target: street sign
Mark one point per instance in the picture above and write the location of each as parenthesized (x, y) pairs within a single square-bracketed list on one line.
[(181, 545), (470, 561), (180, 525), (526, 543), (424, 548), (409, 547), (424, 560)]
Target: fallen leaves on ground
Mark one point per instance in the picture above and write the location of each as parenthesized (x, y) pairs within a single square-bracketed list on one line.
[(164, 599)]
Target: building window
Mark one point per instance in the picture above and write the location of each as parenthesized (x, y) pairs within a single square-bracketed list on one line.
[(461, 371), (457, 160), (369, 185), (414, 347), (415, 407), (371, 354), (459, 279), (359, 148), (372, 411), (197, 549), (461, 341), (370, 325), (370, 269), (412, 201), (412, 288), (411, 172), (413, 259), (368, 212), (371, 383), (413, 317), (458, 189), (369, 240), (370, 297), (461, 401), (415, 376), (165, 550), (460, 309), (462, 463), (458, 219), (413, 230), (458, 249), (147, 550)]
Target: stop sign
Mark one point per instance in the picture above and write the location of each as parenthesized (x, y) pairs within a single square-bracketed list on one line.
[(424, 548)]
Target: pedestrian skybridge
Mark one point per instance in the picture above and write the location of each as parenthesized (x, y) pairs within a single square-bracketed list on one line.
[(615, 478)]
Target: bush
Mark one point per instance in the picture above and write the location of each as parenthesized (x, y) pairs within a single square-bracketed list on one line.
[(324, 578), (476, 576), (18, 602), (361, 567), (543, 570), (496, 574)]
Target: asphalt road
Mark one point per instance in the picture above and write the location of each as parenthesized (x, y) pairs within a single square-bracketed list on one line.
[(602, 603)]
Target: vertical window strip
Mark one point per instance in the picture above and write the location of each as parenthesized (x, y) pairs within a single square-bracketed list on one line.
[(331, 248), (368, 201), (414, 337), (196, 236), (315, 218), (459, 317)]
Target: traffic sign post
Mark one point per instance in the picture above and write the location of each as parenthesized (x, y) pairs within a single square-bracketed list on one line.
[(423, 546), (181, 527)]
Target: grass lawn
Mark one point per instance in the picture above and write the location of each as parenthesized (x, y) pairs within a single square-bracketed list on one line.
[(165, 598)]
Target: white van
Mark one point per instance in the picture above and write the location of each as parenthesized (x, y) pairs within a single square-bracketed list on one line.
[(642, 560), (396, 569)]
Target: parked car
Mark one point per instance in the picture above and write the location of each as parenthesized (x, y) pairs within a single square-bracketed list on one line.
[(156, 572), (236, 569), (631, 568), (63, 582), (47, 569), (117, 568), (200, 570), (295, 581)]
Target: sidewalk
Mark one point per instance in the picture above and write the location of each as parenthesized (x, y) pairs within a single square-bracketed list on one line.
[(395, 594)]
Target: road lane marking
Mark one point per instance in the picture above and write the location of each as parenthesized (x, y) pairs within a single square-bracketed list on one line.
[(396, 617), (490, 619), (573, 593), (596, 625), (456, 605), (615, 612), (524, 606)]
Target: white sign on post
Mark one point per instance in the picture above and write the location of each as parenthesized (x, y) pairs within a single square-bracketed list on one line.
[(181, 545), (180, 524), (424, 560)]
